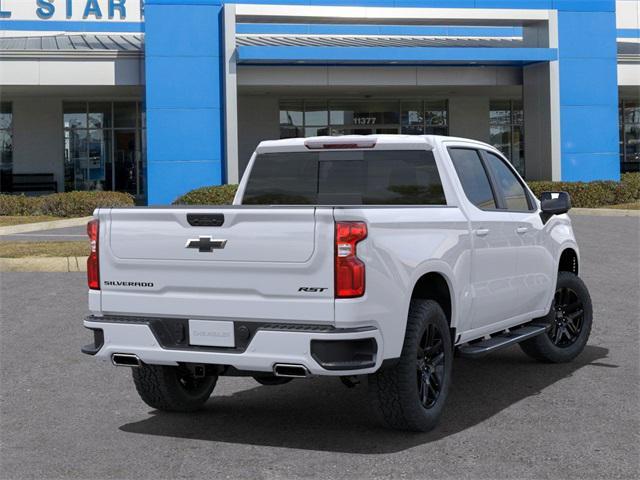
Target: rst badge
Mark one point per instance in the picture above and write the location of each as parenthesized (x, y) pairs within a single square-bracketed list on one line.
[(205, 243)]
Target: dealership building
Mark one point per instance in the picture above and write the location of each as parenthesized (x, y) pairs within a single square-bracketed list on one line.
[(159, 97)]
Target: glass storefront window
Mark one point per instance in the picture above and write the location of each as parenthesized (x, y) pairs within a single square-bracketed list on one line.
[(412, 117), (506, 130), (367, 113), (104, 147), (75, 115), (6, 146), (124, 114), (99, 115), (305, 118), (629, 136), (435, 113), (500, 112), (291, 119), (316, 114)]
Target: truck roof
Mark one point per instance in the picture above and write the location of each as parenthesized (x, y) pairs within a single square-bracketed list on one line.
[(383, 142)]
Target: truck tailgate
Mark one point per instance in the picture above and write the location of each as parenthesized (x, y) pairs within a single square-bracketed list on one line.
[(164, 262)]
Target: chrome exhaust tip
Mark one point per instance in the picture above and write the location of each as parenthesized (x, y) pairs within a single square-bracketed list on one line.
[(290, 370), (125, 360)]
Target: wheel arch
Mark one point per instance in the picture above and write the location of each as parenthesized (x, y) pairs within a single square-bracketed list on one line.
[(436, 286), (569, 260)]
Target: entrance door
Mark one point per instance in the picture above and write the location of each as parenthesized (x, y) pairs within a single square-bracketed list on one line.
[(126, 162)]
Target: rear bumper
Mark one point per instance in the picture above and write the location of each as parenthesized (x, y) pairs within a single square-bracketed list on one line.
[(321, 350)]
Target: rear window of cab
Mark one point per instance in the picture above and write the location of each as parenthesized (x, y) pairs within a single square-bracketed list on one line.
[(345, 177)]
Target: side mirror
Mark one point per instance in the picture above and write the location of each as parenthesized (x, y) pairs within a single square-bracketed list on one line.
[(554, 203)]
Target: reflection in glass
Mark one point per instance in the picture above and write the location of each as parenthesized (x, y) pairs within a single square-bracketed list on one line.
[(364, 113), (506, 130), (305, 118), (107, 155), (6, 147), (436, 113), (291, 119), (500, 137), (99, 115), (316, 114), (126, 161), (629, 136), (632, 143), (124, 114), (412, 114), (75, 115), (500, 112), (6, 116)]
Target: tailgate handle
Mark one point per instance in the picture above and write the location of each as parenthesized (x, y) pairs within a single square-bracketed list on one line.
[(205, 219)]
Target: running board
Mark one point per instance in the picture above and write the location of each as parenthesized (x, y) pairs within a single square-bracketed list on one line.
[(502, 340)]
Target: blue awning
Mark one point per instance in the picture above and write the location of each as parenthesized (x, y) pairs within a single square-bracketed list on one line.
[(322, 55)]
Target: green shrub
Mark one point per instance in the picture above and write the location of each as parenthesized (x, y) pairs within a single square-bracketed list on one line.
[(68, 204), (219, 195), (594, 194), (81, 204), (630, 183), (19, 205)]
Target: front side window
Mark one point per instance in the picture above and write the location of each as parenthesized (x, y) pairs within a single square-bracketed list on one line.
[(354, 177), (510, 189), (473, 177)]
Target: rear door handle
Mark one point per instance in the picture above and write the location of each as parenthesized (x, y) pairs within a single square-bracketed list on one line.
[(522, 230), (481, 232)]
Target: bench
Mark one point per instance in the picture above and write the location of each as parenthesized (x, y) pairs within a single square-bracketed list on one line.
[(33, 182)]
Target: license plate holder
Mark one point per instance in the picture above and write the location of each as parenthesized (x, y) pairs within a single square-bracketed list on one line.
[(211, 333)]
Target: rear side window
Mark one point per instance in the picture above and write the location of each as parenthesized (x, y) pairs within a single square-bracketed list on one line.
[(473, 177), (511, 190), (355, 177)]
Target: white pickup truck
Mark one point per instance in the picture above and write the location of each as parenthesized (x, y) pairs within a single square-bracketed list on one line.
[(375, 256)]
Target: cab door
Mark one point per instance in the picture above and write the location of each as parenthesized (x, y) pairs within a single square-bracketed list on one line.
[(535, 267), (493, 283)]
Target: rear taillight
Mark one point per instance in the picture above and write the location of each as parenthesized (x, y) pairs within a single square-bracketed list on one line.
[(349, 269), (93, 266)]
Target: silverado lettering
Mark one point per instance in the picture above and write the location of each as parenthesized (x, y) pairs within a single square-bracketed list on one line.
[(117, 283)]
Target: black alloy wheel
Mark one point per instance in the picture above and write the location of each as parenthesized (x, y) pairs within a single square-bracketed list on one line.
[(430, 366), (569, 318), (410, 393)]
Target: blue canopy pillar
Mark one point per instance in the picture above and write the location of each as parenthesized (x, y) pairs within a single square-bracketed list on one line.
[(588, 92), (185, 128)]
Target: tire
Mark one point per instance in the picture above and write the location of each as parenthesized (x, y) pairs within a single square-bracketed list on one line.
[(571, 317), (172, 389), (269, 380), (400, 393)]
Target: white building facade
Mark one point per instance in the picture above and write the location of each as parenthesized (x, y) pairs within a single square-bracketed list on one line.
[(161, 98)]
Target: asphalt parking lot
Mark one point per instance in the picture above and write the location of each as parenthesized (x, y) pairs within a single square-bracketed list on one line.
[(65, 416), (66, 234)]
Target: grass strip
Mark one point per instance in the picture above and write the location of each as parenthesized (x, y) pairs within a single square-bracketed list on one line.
[(43, 249)]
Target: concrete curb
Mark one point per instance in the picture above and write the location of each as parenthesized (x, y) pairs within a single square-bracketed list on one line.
[(37, 227), (605, 212), (44, 264)]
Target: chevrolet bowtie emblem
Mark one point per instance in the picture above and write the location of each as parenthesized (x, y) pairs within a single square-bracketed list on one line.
[(205, 243)]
